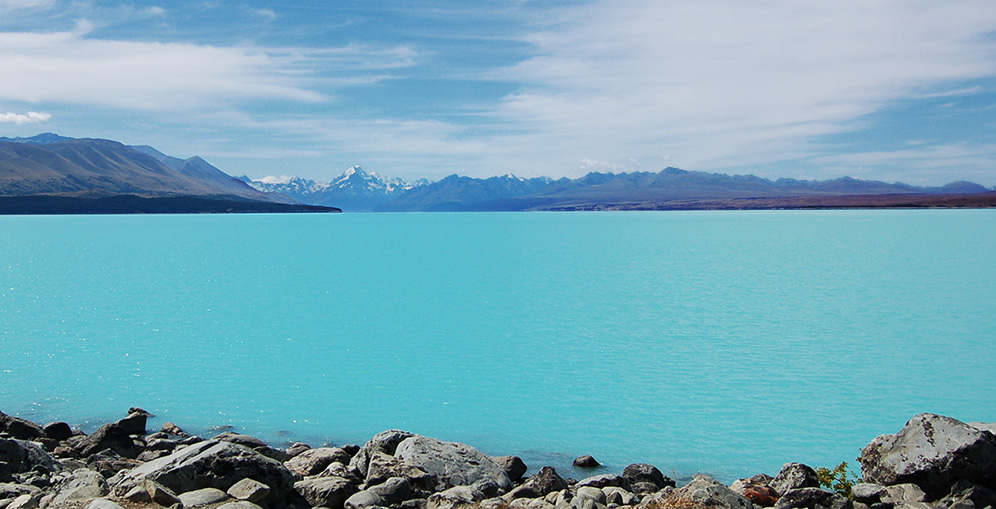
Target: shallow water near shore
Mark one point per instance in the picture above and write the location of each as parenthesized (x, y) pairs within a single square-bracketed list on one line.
[(722, 342)]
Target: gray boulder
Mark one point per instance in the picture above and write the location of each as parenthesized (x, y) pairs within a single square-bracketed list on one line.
[(383, 467), (313, 461), (393, 491), (794, 476), (538, 485), (83, 484), (254, 444), (202, 497), (330, 492), (867, 493), (385, 442), (646, 473), (134, 424), (933, 452), (452, 463), (103, 503), (812, 498), (24, 456), (706, 491), (212, 464), (586, 461), (249, 490)]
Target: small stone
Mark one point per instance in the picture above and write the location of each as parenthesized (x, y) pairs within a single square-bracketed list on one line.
[(794, 476), (161, 494), (138, 494), (249, 490), (103, 503), (172, 429), (202, 497), (297, 448), (586, 461), (513, 465)]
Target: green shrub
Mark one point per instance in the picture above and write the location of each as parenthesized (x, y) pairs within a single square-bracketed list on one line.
[(838, 479)]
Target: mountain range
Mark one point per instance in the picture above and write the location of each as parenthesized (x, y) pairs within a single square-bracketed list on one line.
[(355, 190), (81, 171), (671, 188), (50, 172)]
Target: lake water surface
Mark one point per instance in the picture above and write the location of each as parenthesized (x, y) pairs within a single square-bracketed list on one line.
[(724, 342)]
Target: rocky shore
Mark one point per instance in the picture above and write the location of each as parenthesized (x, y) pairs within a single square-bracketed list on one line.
[(933, 462)]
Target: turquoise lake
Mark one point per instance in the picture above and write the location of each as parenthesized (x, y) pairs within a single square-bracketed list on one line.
[(720, 342)]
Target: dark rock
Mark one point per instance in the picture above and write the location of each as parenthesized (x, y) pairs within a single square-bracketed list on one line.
[(619, 496), (58, 431), (21, 429), (14, 490), (172, 429), (932, 452), (351, 449), (25, 456), (452, 463), (385, 442), (812, 498), (5, 473), (330, 492), (313, 461), (643, 472), (110, 436), (538, 485), (211, 464), (110, 461), (604, 481), (297, 448), (390, 492), (138, 410), (586, 461), (514, 467), (794, 476), (965, 491), (134, 424), (644, 487), (706, 491), (254, 444), (147, 456)]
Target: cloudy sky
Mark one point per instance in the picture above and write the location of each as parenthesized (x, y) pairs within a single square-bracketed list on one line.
[(889, 90)]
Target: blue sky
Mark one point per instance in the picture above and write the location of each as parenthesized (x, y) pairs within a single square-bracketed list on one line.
[(887, 90)]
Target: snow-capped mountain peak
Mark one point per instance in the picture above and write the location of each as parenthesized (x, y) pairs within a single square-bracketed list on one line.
[(353, 190)]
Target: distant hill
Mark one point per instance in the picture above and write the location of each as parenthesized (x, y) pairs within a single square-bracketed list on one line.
[(355, 190), (639, 190), (54, 166)]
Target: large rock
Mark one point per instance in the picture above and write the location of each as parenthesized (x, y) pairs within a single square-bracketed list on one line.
[(794, 476), (330, 492), (58, 431), (514, 467), (110, 436), (83, 484), (385, 442), (134, 424), (313, 461), (383, 467), (706, 491), (812, 498), (19, 428), (453, 464), (393, 491), (604, 481), (538, 485), (202, 497), (643, 472), (212, 464), (933, 452), (24, 456), (254, 444)]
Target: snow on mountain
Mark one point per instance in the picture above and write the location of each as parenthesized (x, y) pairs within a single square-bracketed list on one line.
[(354, 190)]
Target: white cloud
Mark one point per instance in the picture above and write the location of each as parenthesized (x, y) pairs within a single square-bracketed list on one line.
[(14, 5), (31, 117), (72, 67), (716, 83)]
